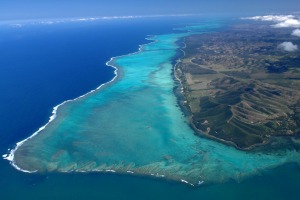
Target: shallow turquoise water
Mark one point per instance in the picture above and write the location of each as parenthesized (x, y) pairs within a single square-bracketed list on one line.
[(135, 125)]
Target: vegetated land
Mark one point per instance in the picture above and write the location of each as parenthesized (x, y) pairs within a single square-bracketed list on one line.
[(239, 86)]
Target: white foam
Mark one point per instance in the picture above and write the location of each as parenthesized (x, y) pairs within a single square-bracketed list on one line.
[(200, 182), (97, 170), (110, 170), (81, 171), (10, 155), (184, 181)]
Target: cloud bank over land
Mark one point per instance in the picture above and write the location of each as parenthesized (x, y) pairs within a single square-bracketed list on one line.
[(289, 23), (282, 21), (296, 33), (276, 18), (288, 46)]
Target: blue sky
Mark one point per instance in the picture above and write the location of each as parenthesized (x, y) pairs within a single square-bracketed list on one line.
[(32, 9)]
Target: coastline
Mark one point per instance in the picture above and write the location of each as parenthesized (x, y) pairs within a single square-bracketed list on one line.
[(117, 75), (193, 171), (184, 105), (109, 169), (10, 155)]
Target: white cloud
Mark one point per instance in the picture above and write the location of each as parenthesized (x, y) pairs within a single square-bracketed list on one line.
[(293, 23), (288, 46), (296, 33), (17, 25), (66, 20), (277, 18), (282, 21)]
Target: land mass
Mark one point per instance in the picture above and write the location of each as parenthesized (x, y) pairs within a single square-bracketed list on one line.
[(239, 87)]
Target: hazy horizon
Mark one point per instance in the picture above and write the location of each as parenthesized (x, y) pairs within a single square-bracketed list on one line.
[(33, 9)]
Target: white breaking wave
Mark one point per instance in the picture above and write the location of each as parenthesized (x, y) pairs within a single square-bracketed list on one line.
[(110, 170), (186, 182), (10, 155)]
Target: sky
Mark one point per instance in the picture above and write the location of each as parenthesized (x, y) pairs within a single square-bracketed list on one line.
[(39, 9)]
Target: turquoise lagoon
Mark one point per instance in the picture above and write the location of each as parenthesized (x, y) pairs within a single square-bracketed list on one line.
[(134, 125)]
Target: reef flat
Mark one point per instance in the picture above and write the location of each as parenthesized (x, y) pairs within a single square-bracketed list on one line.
[(134, 125), (240, 87)]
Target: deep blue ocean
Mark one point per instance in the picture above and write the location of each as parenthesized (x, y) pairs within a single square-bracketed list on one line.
[(44, 65)]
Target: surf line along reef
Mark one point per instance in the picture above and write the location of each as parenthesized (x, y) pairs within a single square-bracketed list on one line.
[(133, 124)]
